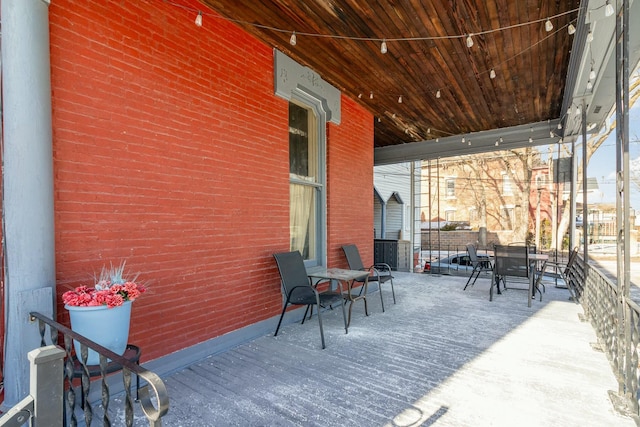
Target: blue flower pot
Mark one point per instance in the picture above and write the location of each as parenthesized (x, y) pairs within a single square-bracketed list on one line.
[(108, 327)]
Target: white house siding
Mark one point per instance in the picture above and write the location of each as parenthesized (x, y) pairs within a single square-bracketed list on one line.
[(392, 180)]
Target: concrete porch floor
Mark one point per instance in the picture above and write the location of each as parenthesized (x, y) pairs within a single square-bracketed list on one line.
[(440, 356)]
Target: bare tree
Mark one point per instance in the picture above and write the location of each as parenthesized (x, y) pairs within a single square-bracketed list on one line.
[(593, 143)]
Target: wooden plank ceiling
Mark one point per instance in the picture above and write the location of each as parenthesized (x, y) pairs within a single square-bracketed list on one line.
[(427, 54)]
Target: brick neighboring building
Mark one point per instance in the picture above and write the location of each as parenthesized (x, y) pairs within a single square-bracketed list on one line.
[(491, 190)]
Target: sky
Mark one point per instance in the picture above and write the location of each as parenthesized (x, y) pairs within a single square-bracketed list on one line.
[(602, 165)]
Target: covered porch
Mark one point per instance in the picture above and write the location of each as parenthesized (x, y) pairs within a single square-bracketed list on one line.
[(440, 356), (453, 357)]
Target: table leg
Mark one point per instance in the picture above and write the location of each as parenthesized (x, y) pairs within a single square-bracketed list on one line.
[(344, 313)]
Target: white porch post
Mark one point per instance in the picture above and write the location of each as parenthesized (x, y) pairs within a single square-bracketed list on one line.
[(28, 222)]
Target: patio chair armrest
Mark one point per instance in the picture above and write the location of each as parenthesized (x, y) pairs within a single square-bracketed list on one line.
[(552, 264), (381, 266), (319, 282), (315, 291)]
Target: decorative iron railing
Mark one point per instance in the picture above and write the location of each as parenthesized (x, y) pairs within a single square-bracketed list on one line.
[(152, 395), (616, 320)]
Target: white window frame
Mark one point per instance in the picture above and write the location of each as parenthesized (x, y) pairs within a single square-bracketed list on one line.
[(448, 194), (306, 100)]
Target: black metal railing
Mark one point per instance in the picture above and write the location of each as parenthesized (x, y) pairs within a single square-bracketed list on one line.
[(616, 320), (152, 395)]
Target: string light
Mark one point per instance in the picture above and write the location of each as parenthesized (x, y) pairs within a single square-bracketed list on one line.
[(383, 48), (592, 74), (497, 143), (400, 99), (463, 141), (492, 74), (608, 9), (589, 37), (446, 37), (548, 25), (559, 125), (589, 85), (530, 140)]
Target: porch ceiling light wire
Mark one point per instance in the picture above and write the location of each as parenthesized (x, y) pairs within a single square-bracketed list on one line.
[(393, 39), (376, 39)]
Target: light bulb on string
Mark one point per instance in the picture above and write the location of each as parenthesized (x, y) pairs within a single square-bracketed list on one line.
[(400, 99), (589, 85), (530, 140), (559, 125), (293, 40), (359, 96), (492, 74), (198, 20), (438, 93), (589, 37), (469, 41), (371, 95), (608, 9), (497, 143), (463, 141), (571, 29), (469, 142), (548, 26), (383, 47)]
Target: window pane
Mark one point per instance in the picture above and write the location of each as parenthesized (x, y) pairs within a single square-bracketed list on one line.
[(451, 187), (302, 147), (298, 140), (303, 193), (506, 185), (302, 219)]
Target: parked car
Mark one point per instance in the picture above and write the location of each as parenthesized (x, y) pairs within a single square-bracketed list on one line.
[(454, 263)]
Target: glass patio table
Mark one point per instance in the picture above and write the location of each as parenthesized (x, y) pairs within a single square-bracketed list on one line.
[(347, 277)]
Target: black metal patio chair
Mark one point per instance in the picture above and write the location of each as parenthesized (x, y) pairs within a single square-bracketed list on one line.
[(513, 262), (480, 264), (379, 272), (565, 272), (297, 287)]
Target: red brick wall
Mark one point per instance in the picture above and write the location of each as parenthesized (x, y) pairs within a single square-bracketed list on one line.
[(171, 151), (350, 184)]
